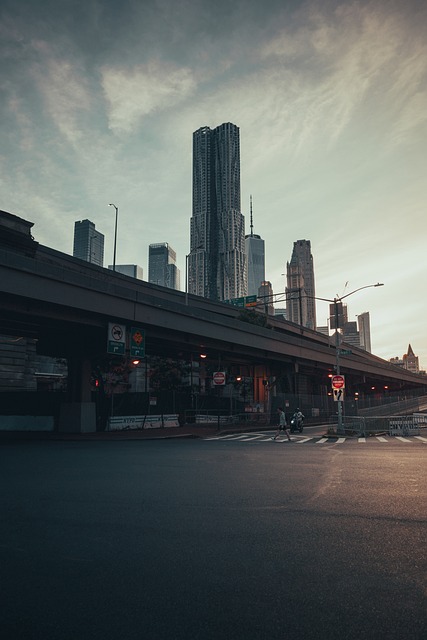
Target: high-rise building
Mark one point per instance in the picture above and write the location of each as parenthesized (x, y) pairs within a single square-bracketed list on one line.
[(408, 361), (255, 260), (300, 289), (217, 260), (364, 331), (88, 243), (162, 267), (265, 295), (350, 334), (131, 270)]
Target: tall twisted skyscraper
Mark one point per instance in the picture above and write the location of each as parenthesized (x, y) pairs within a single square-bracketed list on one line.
[(217, 261)]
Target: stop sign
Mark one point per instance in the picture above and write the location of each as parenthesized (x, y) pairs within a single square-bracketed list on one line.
[(218, 377), (338, 382)]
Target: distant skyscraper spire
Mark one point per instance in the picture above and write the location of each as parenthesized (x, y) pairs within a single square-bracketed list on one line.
[(255, 258)]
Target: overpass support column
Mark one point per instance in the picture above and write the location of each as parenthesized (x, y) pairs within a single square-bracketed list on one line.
[(78, 415)]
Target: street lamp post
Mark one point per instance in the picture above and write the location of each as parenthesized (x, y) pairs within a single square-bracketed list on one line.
[(186, 279), (115, 235), (336, 302)]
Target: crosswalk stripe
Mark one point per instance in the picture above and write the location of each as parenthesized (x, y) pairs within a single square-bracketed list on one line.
[(258, 437)]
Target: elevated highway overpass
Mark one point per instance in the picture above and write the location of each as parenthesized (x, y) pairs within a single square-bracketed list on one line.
[(67, 304)]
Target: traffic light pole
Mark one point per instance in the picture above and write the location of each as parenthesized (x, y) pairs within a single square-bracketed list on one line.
[(337, 365)]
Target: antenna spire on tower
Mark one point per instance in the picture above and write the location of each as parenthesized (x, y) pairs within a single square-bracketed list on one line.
[(252, 222)]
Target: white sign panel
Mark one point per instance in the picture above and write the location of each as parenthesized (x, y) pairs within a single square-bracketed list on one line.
[(116, 342)]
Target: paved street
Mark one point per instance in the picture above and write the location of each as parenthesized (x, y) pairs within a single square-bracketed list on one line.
[(210, 539)]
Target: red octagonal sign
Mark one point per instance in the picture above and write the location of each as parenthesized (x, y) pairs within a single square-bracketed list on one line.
[(218, 377), (338, 382)]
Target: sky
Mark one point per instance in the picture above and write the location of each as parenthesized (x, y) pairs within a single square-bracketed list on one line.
[(99, 101)]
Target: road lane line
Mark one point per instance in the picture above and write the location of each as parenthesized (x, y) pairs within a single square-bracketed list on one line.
[(381, 439), (304, 440), (322, 440), (421, 438), (340, 440), (361, 439), (402, 439)]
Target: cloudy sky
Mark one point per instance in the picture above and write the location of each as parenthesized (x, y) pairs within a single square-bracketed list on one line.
[(99, 100)]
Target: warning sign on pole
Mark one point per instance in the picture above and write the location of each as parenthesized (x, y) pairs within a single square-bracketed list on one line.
[(137, 343)]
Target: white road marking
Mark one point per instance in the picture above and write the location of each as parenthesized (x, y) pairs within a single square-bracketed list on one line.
[(361, 439), (381, 439), (402, 439), (421, 438), (322, 441)]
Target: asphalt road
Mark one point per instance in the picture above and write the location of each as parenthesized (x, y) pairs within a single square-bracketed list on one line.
[(192, 539)]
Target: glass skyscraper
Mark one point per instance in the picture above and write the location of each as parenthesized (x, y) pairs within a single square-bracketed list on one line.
[(88, 243), (217, 260), (255, 260), (162, 269)]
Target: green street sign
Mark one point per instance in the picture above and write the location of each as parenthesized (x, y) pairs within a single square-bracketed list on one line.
[(137, 342), (250, 301), (345, 352)]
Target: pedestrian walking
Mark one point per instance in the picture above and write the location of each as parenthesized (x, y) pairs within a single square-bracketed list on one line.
[(282, 426)]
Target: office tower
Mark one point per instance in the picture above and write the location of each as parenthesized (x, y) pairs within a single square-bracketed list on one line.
[(255, 260), (350, 334), (131, 270), (162, 269), (300, 289), (217, 260), (410, 361), (364, 331), (88, 243), (265, 295)]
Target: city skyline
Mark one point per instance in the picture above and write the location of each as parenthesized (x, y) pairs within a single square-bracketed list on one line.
[(330, 100)]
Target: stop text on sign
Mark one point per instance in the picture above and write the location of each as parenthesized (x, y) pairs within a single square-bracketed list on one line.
[(338, 382), (218, 378)]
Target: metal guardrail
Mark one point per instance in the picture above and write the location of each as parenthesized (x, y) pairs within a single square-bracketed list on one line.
[(408, 425)]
